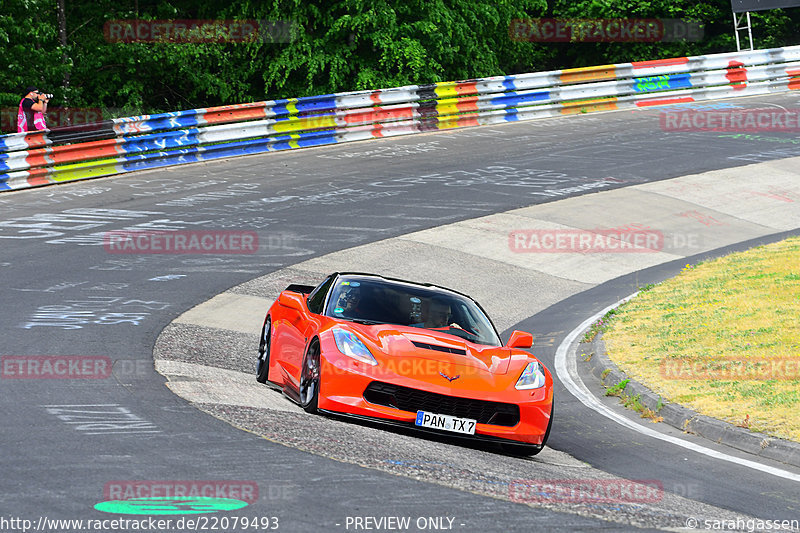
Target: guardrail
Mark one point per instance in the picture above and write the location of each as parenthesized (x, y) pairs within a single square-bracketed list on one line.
[(151, 141)]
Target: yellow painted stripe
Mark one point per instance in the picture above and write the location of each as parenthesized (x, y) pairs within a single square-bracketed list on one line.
[(446, 89), (451, 123), (79, 171), (292, 106), (577, 75), (447, 109), (587, 106), (307, 123)]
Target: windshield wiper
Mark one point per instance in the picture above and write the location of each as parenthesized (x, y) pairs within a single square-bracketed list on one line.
[(464, 334), (365, 321)]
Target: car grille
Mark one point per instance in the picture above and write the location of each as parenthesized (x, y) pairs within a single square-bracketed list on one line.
[(413, 400)]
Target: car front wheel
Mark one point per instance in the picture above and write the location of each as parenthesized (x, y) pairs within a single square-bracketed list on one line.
[(310, 378), (262, 363)]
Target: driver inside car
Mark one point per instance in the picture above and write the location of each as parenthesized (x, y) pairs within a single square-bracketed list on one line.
[(347, 303), (438, 316)]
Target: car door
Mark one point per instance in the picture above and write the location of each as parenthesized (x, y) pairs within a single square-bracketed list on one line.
[(299, 324)]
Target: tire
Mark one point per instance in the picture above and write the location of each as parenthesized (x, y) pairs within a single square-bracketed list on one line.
[(529, 450), (310, 378), (262, 362)]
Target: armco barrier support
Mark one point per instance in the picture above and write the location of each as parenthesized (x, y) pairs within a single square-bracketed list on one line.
[(151, 141)]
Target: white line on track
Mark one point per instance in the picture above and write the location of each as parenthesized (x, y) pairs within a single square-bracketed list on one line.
[(567, 370)]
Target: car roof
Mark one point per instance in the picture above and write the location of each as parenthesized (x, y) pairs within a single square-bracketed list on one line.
[(398, 280)]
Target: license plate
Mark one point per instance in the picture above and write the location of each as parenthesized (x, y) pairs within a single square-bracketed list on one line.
[(445, 422)]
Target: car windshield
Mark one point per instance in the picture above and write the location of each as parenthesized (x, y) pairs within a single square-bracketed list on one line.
[(378, 301)]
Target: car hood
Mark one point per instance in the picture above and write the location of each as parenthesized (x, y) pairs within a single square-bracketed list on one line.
[(416, 343)]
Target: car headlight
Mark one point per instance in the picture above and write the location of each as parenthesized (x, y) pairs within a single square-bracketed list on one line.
[(532, 377), (351, 346)]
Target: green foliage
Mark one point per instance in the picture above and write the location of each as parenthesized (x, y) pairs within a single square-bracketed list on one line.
[(357, 44), (335, 45), (616, 390), (29, 50)]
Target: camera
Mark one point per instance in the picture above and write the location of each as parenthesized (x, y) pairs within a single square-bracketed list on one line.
[(45, 96)]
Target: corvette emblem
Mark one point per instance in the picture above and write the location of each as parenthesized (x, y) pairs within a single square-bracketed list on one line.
[(448, 378)]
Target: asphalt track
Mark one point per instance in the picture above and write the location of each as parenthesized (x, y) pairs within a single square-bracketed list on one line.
[(64, 294)]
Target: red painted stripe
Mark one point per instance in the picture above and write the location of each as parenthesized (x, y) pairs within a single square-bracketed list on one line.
[(660, 62), (665, 101), (36, 158), (379, 114), (737, 75), (35, 140), (38, 176), (467, 104), (233, 115), (72, 153), (794, 84), (466, 88)]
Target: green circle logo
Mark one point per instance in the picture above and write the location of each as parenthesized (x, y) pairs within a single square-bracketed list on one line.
[(170, 505)]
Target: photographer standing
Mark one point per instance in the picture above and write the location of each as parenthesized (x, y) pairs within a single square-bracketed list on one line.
[(32, 109)]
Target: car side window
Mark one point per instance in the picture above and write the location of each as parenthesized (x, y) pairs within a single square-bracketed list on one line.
[(316, 300)]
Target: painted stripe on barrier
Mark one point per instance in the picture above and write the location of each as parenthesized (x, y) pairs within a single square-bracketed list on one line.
[(584, 74), (662, 83), (675, 61), (794, 82), (586, 106)]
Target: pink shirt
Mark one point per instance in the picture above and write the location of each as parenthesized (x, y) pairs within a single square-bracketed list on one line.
[(22, 121)]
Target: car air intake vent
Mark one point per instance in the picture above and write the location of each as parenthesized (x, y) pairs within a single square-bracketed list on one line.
[(413, 400), (439, 348)]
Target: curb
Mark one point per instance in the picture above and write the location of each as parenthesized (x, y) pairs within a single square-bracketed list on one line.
[(685, 419)]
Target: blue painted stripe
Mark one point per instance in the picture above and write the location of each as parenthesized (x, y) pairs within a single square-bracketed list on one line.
[(510, 83), (511, 116), (662, 83), (305, 104), (516, 99), (160, 159), (316, 103), (12, 143), (160, 141)]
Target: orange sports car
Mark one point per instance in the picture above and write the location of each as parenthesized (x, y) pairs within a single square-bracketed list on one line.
[(408, 354)]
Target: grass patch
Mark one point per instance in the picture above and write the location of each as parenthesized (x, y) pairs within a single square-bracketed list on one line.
[(635, 403), (616, 390), (600, 326), (722, 337)]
